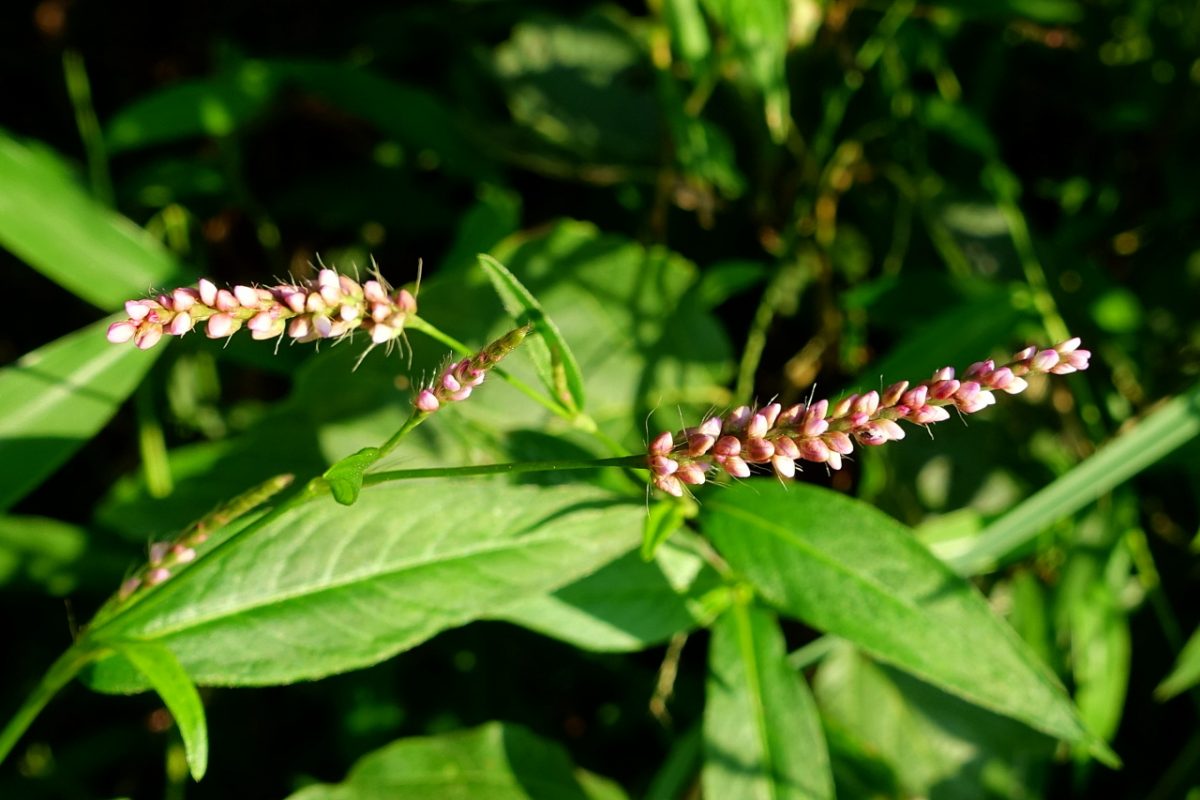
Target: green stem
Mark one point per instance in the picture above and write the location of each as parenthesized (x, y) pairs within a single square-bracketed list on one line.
[(59, 675), (413, 421), (156, 468), (501, 469), (80, 91)]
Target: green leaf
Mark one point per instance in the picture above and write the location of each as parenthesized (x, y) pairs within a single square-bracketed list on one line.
[(56, 399), (758, 34), (689, 32), (496, 761), (662, 520), (848, 569), (346, 476), (216, 107), (1186, 672), (53, 225), (162, 670), (556, 363), (322, 588), (762, 734), (678, 769), (628, 605), (1171, 426), (931, 743)]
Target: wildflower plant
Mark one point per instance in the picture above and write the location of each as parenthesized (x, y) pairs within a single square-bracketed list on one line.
[(172, 623)]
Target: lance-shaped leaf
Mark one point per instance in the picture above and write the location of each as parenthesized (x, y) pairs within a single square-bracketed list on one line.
[(53, 225), (555, 362), (55, 399), (495, 761), (846, 568), (158, 666), (762, 734), (323, 588)]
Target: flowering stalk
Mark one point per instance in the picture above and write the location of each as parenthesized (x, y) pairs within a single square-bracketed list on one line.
[(327, 307), (459, 378), (822, 433)]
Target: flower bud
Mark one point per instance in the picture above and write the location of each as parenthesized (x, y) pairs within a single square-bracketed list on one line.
[(121, 332), (662, 444)]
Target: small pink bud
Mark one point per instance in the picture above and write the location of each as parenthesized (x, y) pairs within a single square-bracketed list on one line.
[(771, 412), (669, 484), (967, 391), (790, 415), (1000, 379), (1044, 361), (814, 426), (1025, 355), (891, 429), (406, 302), (1069, 346), (871, 434), (332, 295), (786, 447), (314, 303), (759, 451), (158, 551), (208, 292), (661, 465), (892, 394), (814, 450), (226, 301), (184, 299), (662, 444), (691, 473), (842, 407), (916, 397), (784, 466), (349, 313), (736, 467), (129, 586), (978, 403), (450, 383), (834, 461), (322, 326), (221, 325), (181, 324), (148, 336), (262, 321), (1016, 386), (944, 374), (699, 443), (727, 446), (427, 401), (757, 427), (136, 309), (349, 286), (979, 369), (868, 403), (736, 420), (121, 332), (381, 333), (373, 292), (943, 389), (299, 328), (1078, 358), (857, 419), (930, 414), (296, 299), (711, 426), (246, 295), (327, 278), (182, 554), (839, 442)]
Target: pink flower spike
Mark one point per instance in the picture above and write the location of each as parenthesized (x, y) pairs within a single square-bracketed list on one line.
[(121, 332), (427, 401), (662, 444), (181, 324), (221, 325), (208, 292), (1044, 361)]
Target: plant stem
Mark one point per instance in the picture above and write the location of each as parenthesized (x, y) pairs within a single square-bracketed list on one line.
[(80, 91), (501, 469), (413, 421), (58, 676)]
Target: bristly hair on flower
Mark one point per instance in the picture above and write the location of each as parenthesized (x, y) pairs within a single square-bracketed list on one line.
[(329, 306), (822, 433)]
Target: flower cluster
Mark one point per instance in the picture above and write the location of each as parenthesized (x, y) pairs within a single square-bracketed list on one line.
[(459, 378), (328, 307), (824, 433)]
